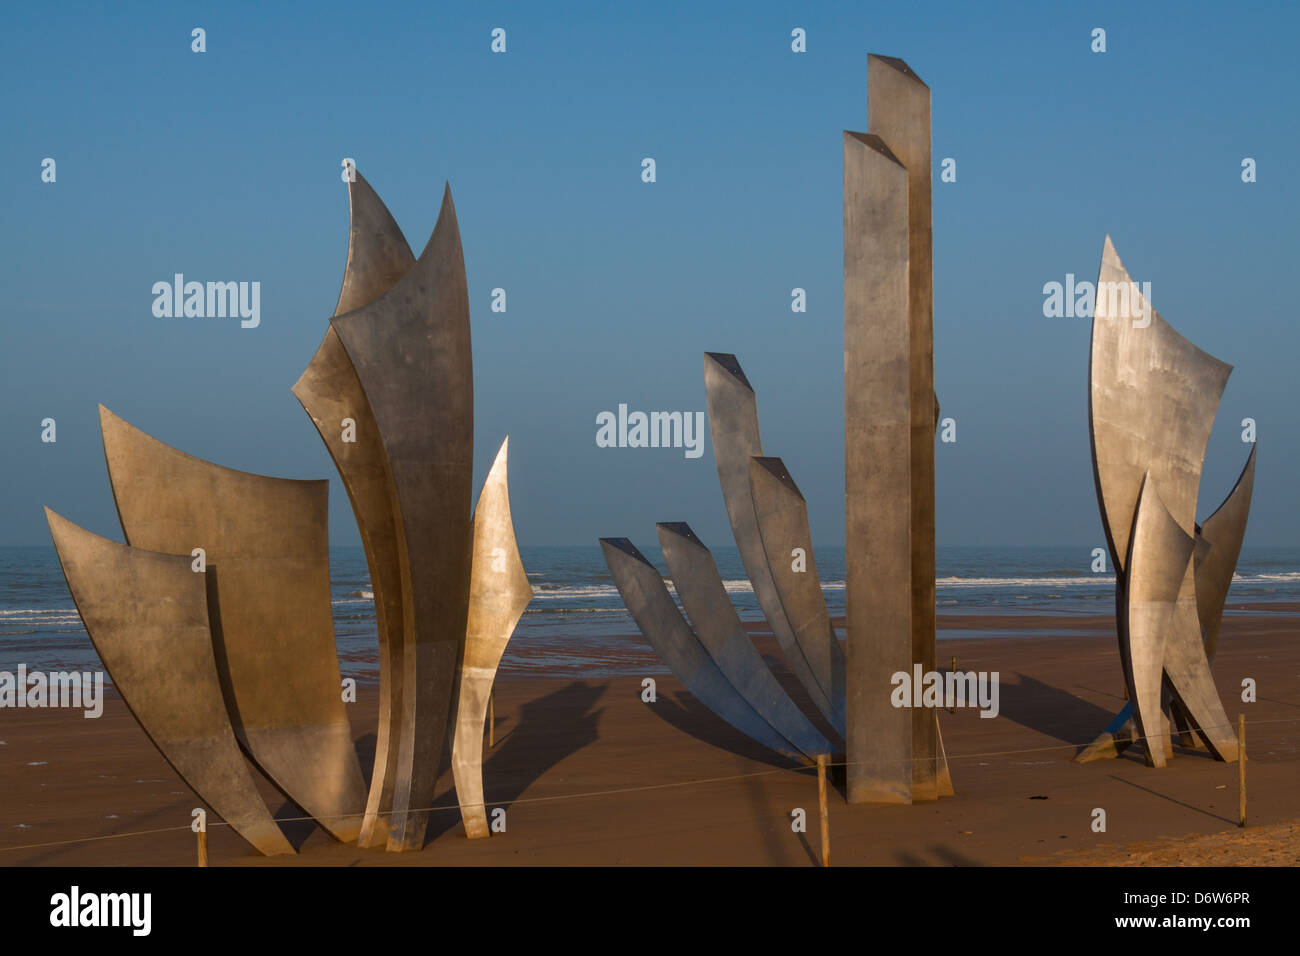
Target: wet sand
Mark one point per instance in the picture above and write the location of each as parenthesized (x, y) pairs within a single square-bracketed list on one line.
[(591, 775)]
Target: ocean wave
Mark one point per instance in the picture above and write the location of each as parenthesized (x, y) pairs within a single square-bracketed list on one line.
[(1278, 577), (35, 611), (1027, 582)]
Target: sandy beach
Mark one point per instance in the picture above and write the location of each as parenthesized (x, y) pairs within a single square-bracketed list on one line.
[(591, 775)]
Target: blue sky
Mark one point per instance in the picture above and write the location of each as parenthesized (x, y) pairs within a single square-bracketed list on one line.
[(225, 166)]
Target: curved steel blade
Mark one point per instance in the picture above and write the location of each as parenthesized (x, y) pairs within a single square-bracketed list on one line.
[(715, 622), (1223, 532), (782, 516), (1153, 397), (733, 429), (499, 592), (147, 615), (267, 553), (411, 352), (679, 648), (331, 393), (1159, 562)]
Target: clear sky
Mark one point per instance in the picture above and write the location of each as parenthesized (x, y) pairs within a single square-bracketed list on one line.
[(225, 166)]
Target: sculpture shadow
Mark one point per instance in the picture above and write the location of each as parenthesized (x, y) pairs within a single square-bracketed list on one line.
[(550, 728), (692, 718), (1052, 711)]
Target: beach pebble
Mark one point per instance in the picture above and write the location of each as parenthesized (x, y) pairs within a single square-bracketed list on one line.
[(37, 763)]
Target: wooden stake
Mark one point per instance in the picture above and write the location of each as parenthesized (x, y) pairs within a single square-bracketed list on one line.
[(492, 718), (1241, 766), (203, 848), (821, 802)]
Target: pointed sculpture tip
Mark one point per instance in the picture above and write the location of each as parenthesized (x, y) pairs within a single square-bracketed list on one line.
[(1108, 250), (681, 529), (874, 143), (730, 364), (626, 546), (501, 456), (898, 64)]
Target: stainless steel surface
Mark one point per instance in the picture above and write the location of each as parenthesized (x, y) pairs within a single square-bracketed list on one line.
[(267, 553), (1160, 557), (878, 470), (733, 430), (330, 392), (411, 351), (1153, 396), (147, 615), (1215, 564), (704, 597), (782, 517), (680, 649), (499, 592), (898, 111), (1152, 400)]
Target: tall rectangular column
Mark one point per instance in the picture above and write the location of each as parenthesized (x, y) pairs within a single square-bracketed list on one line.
[(878, 438), (898, 111)]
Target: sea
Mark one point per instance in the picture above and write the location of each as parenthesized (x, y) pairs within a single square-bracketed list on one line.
[(577, 626)]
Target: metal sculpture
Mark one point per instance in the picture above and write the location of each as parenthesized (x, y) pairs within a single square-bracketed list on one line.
[(499, 592), (890, 417), (265, 543), (1219, 541), (1153, 397), (679, 647), (1218, 545), (411, 352), (390, 391), (147, 615), (703, 596), (894, 755), (733, 427), (768, 522), (877, 468), (782, 517), (331, 394)]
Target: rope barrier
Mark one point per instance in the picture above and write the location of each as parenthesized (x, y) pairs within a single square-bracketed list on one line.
[(809, 769)]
